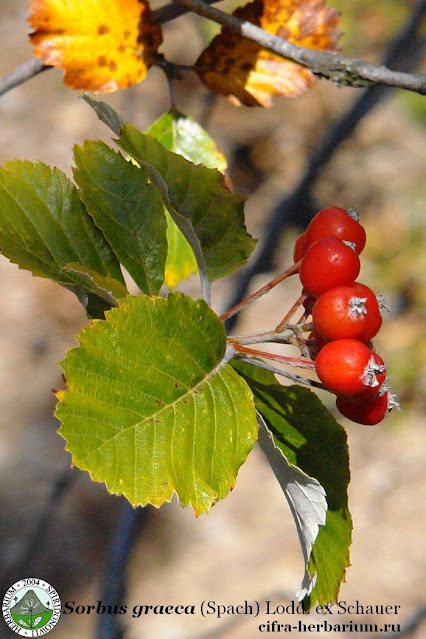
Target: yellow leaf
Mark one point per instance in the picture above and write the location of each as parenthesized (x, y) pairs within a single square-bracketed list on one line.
[(248, 74), (102, 46)]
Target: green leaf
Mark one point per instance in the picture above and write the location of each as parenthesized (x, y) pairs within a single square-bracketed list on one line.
[(44, 226), (127, 209), (311, 439), (152, 409), (180, 262), (179, 133), (209, 215), (183, 135)]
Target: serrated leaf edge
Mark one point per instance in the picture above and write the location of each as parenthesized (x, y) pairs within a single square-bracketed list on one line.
[(61, 396)]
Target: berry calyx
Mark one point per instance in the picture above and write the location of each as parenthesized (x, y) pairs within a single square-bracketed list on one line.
[(328, 263), (350, 312), (349, 367), (373, 305), (374, 376), (339, 223)]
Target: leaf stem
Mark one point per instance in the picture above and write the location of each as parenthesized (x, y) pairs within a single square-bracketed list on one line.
[(262, 338), (172, 71), (280, 337), (265, 289), (290, 361), (169, 70), (278, 371)]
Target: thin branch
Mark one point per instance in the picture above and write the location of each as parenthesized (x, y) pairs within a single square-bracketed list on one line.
[(172, 73), (21, 74), (262, 338), (340, 69), (344, 71), (172, 11)]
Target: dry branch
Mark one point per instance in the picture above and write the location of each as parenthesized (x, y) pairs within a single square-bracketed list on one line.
[(342, 70)]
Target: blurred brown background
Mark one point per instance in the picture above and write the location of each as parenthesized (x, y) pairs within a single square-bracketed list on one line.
[(247, 547)]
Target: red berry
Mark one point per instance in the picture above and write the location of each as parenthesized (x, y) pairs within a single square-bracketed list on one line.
[(373, 316), (336, 222), (368, 411), (339, 313), (299, 247), (349, 367), (328, 263), (347, 312)]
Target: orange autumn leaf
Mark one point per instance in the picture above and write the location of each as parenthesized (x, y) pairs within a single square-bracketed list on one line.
[(248, 74), (101, 45)]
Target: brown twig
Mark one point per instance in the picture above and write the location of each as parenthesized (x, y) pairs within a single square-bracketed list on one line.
[(171, 11), (339, 69), (344, 71)]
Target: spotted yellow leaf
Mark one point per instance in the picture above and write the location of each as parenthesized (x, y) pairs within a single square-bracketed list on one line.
[(248, 74), (102, 46)]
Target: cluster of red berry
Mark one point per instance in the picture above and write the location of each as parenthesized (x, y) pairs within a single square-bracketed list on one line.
[(346, 316)]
